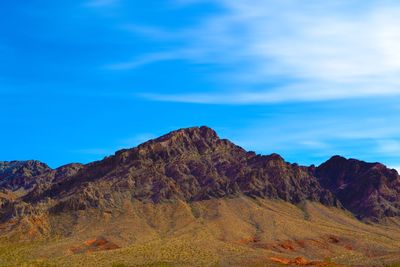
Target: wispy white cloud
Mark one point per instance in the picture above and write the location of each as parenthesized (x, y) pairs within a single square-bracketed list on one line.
[(144, 60), (93, 151), (314, 144), (312, 135), (124, 143), (319, 50), (137, 139), (152, 32), (389, 147), (101, 3), (292, 93)]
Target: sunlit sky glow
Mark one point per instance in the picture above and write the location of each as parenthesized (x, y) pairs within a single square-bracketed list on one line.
[(305, 79)]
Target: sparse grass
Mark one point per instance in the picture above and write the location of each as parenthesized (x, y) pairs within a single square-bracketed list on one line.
[(195, 211), (329, 262), (119, 265), (212, 239), (14, 253), (39, 263), (303, 207), (162, 264)]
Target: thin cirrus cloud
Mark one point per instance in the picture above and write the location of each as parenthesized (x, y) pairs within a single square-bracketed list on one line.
[(301, 92), (331, 51), (315, 137), (93, 151), (389, 147), (121, 144), (100, 3), (144, 60)]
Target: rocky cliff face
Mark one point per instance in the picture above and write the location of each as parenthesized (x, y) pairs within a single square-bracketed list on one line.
[(191, 165), (16, 175), (369, 190), (19, 179)]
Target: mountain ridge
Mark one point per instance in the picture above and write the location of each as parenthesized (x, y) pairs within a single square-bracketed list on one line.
[(193, 164), (192, 198)]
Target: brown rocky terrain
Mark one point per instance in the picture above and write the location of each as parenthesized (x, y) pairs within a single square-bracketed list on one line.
[(192, 186), (368, 190), (15, 175)]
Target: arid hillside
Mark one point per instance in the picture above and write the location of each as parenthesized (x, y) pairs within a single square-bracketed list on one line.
[(190, 198)]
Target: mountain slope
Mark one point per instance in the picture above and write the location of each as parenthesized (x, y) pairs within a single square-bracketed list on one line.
[(194, 164), (190, 165), (190, 185), (239, 231)]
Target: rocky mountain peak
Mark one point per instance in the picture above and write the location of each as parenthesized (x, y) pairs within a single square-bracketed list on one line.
[(17, 174), (185, 137), (194, 164), (187, 141), (33, 166), (367, 189)]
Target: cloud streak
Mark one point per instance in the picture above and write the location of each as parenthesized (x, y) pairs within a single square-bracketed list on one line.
[(100, 3), (309, 92), (313, 137), (144, 60), (319, 50)]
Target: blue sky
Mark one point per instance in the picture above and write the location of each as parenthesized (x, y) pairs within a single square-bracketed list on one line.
[(306, 79)]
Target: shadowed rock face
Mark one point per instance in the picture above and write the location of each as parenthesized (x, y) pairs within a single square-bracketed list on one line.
[(16, 175), (195, 164), (19, 179), (29, 175), (189, 164), (368, 190)]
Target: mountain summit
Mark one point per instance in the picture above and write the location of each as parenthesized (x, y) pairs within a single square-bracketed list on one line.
[(190, 165), (192, 178), (194, 164)]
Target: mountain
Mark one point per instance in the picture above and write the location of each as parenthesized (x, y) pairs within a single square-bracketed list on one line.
[(368, 190), (191, 185), (16, 175), (190, 165)]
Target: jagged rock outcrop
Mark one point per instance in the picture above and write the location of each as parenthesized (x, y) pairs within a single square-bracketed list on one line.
[(16, 175), (369, 190), (25, 179)]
